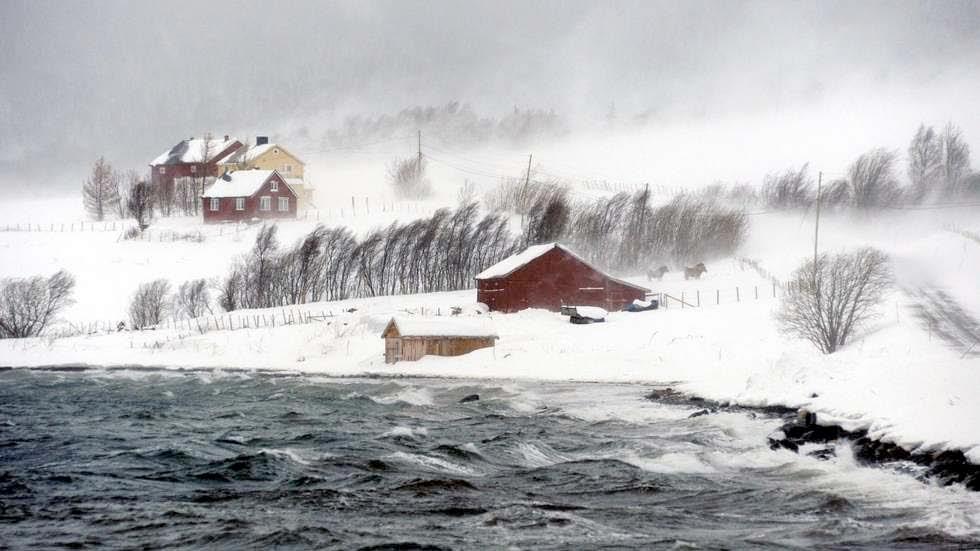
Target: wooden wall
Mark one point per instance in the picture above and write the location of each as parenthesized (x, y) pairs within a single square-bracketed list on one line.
[(413, 348)]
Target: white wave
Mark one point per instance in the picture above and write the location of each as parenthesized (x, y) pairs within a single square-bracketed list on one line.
[(539, 455), (416, 396), (433, 464), (287, 453), (670, 463), (406, 431)]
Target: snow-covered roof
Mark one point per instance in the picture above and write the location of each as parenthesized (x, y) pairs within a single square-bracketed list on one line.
[(254, 152), (445, 327), (511, 264), (240, 183), (192, 151)]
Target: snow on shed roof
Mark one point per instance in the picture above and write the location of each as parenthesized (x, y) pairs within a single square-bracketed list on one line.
[(192, 151), (451, 327), (511, 264), (240, 183)]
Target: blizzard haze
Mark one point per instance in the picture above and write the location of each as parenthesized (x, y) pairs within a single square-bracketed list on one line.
[(742, 87)]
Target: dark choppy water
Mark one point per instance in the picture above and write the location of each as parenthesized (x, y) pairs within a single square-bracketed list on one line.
[(223, 461)]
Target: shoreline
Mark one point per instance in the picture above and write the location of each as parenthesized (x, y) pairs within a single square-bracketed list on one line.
[(947, 467)]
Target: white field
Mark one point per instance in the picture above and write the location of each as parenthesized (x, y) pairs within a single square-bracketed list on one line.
[(898, 378)]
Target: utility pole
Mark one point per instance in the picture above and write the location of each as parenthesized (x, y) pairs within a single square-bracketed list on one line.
[(420, 151), (527, 182), (816, 224)]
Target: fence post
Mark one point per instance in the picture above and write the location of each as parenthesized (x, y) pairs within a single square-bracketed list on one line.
[(756, 292), (699, 297), (717, 296), (682, 300), (738, 295), (773, 289)]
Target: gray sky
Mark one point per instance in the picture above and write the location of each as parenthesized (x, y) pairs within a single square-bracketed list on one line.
[(128, 79)]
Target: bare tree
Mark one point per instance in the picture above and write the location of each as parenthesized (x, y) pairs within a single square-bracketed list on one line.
[(101, 191), (872, 180), (789, 190), (28, 306), (925, 162), (193, 299), (827, 301), (955, 160), (149, 304), (139, 203), (408, 178)]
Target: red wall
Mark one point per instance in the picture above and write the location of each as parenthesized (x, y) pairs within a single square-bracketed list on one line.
[(227, 212), (553, 279), (183, 170)]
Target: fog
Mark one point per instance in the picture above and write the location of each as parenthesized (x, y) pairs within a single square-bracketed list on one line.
[(727, 90)]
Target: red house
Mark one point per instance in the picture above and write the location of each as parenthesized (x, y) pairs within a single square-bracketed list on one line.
[(548, 276), (248, 194), (192, 158)]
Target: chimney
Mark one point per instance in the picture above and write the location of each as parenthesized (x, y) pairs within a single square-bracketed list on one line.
[(226, 137), (261, 140)]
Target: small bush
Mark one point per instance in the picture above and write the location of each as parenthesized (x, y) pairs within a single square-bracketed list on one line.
[(150, 304), (792, 189), (28, 306), (408, 178), (193, 299)]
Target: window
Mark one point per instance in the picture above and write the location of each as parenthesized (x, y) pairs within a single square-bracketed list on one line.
[(193, 169), (215, 204), (287, 168), (275, 185), (163, 170), (284, 204), (239, 203), (265, 203)]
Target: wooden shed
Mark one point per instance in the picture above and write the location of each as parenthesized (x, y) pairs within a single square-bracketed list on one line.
[(550, 276), (408, 339)]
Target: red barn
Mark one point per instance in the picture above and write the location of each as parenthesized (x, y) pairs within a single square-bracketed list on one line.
[(548, 276), (247, 194)]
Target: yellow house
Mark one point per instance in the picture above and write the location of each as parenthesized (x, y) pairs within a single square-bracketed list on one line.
[(272, 156)]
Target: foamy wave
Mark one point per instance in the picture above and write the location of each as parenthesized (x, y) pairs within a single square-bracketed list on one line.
[(406, 432), (433, 463), (413, 395)]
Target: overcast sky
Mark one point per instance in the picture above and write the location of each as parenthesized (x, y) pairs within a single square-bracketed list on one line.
[(128, 78)]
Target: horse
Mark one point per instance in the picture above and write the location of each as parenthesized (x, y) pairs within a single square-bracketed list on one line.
[(657, 274), (694, 272)]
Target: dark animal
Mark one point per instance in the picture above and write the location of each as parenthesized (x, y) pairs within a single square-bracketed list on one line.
[(694, 272), (657, 274)]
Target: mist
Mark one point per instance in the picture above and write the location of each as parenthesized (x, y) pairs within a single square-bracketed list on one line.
[(701, 91)]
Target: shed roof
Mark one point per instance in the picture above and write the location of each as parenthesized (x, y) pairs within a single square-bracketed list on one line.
[(240, 183), (192, 151), (513, 263), (428, 327)]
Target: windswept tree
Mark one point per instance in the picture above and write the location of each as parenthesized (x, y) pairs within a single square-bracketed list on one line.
[(408, 178), (827, 301), (140, 198), (150, 304), (100, 191), (792, 189), (28, 306), (925, 155), (193, 299), (955, 160), (872, 182)]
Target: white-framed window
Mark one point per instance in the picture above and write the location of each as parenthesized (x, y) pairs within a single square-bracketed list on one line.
[(275, 185), (239, 203), (265, 203), (284, 204), (163, 170), (215, 204), (193, 169), (287, 168)]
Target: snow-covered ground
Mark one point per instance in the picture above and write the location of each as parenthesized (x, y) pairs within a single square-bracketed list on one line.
[(902, 379)]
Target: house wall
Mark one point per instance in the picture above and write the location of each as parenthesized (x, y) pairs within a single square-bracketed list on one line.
[(414, 348), (182, 170), (227, 213), (553, 279)]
